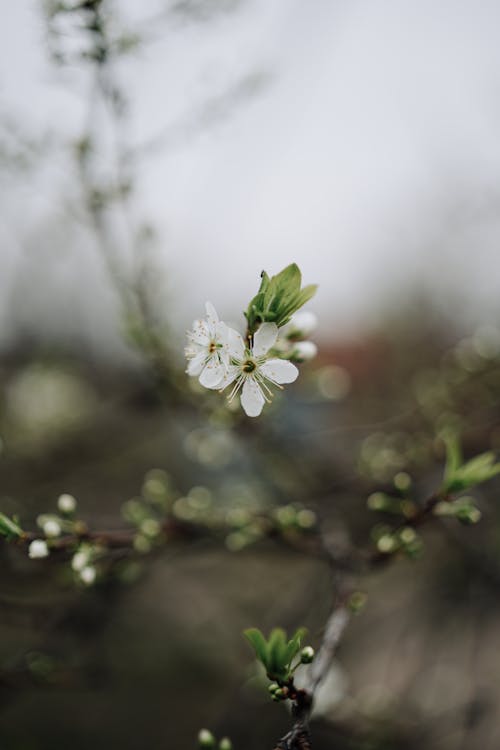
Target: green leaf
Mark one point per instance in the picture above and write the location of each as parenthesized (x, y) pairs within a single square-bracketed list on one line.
[(277, 646), (9, 528), (460, 476), (479, 469), (294, 645), (453, 455), (259, 644), (306, 294), (264, 284)]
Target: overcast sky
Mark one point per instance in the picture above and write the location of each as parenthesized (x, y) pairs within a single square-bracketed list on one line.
[(359, 139)]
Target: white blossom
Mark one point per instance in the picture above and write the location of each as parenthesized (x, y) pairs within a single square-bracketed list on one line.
[(38, 549), (251, 370), (207, 350)]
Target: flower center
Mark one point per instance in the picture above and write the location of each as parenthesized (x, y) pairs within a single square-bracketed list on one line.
[(212, 347), (249, 366)]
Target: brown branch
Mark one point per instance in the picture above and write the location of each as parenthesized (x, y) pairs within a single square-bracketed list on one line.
[(343, 564)]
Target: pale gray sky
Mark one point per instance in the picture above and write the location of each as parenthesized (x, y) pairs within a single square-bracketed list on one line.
[(370, 155)]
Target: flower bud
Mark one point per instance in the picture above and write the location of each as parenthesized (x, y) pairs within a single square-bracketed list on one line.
[(80, 560), (273, 687), (307, 655), (51, 527), (206, 739), (303, 351), (225, 744), (38, 549), (302, 324), (88, 575), (66, 503)]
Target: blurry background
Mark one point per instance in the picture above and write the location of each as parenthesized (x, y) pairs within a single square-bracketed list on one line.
[(156, 155)]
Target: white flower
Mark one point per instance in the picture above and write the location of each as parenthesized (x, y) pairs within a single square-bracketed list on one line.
[(207, 349), (66, 503), (251, 370), (38, 549)]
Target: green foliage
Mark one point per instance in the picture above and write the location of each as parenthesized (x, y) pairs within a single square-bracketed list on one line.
[(278, 298), (276, 653), (463, 509), (460, 476), (9, 527)]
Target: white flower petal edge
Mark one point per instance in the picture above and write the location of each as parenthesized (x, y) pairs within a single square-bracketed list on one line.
[(196, 364), (235, 344), (279, 371), (212, 318), (212, 375), (264, 339), (252, 398)]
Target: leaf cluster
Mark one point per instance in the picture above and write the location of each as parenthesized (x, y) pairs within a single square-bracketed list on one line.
[(460, 475), (278, 298), (276, 653)]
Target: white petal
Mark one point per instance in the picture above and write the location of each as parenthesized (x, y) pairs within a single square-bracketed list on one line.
[(264, 338), (195, 365), (235, 344), (279, 371), (252, 398), (212, 318), (213, 374), (232, 372), (221, 332), (200, 333)]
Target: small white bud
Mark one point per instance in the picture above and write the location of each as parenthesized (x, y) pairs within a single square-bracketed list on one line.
[(51, 527), (79, 560), (38, 549), (307, 655), (150, 527), (88, 575), (302, 324), (206, 738), (303, 351), (66, 503)]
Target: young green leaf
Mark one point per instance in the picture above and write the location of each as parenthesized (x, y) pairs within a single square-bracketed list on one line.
[(453, 455), (294, 645), (259, 644), (9, 528), (479, 469), (277, 647)]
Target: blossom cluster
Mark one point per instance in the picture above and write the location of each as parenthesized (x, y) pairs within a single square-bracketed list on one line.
[(220, 357)]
